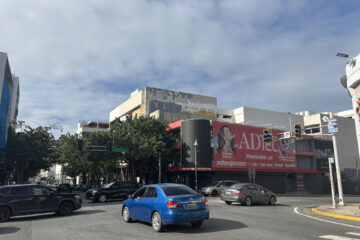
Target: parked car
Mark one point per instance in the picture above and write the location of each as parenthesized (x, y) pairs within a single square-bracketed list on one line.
[(248, 194), (215, 188), (30, 199), (114, 190), (64, 187), (162, 204)]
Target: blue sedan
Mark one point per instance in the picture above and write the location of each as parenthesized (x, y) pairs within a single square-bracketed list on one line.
[(168, 203)]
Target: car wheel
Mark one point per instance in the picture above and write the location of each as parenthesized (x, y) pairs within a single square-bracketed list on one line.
[(4, 214), (196, 224), (66, 209), (102, 198), (228, 202), (248, 201), (126, 215), (156, 222), (272, 200), (214, 193)]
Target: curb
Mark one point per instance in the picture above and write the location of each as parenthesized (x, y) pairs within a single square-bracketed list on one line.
[(314, 210)]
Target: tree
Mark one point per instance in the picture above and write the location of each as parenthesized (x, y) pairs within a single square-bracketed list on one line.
[(146, 138), (29, 151)]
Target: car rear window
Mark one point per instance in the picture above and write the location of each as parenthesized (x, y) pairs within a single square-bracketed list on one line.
[(177, 190), (237, 186)]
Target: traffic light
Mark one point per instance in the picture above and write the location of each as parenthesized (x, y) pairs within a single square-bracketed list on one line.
[(298, 131), (268, 136), (79, 144), (109, 146)]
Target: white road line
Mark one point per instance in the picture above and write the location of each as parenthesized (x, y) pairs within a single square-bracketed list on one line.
[(334, 237), (323, 220), (353, 233)]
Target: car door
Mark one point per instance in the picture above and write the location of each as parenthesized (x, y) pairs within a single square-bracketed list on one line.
[(148, 203), (114, 191), (262, 193), (135, 206), (44, 200), (20, 199), (251, 191)]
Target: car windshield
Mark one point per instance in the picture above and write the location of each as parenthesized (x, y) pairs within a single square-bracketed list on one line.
[(177, 190), (214, 183), (237, 186), (108, 185)]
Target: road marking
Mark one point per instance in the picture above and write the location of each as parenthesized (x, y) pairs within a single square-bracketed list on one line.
[(334, 237), (343, 224), (353, 233)]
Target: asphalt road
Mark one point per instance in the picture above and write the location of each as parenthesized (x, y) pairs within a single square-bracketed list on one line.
[(289, 219)]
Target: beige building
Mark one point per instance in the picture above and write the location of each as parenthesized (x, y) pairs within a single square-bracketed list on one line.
[(92, 126)]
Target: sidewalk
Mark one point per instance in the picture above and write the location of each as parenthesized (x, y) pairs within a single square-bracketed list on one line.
[(348, 212)]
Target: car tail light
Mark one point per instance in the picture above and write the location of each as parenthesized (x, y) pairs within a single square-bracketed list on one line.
[(238, 192), (222, 192), (171, 204), (206, 202)]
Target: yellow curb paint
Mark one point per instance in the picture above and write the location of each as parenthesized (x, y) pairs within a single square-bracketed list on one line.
[(335, 215)]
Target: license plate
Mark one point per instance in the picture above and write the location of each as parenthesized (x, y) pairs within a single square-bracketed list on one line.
[(227, 193), (190, 205)]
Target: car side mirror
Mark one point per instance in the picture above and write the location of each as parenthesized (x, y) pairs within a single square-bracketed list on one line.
[(52, 193), (131, 196)]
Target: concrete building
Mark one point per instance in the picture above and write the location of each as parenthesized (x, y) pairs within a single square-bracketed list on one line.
[(92, 126), (166, 105), (9, 96)]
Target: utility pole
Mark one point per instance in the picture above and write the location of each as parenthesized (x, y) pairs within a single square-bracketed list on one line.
[(196, 182), (159, 167), (338, 171), (331, 160)]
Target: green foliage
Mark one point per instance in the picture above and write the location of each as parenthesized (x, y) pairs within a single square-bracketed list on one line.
[(27, 152)]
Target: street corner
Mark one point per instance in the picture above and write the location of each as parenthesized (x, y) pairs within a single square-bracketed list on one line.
[(348, 212)]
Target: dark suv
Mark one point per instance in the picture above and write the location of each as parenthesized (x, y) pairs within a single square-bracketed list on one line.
[(30, 199), (114, 190)]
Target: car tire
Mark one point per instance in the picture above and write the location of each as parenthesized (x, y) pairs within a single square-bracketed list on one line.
[(66, 208), (214, 193), (272, 200), (102, 198), (5, 214), (157, 222), (228, 202), (248, 201), (126, 215), (196, 224)]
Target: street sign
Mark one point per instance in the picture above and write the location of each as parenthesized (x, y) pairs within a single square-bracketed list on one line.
[(332, 125), (121, 149), (325, 118)]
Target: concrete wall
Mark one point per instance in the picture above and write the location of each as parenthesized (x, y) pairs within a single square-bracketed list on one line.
[(266, 118), (179, 105), (134, 102)]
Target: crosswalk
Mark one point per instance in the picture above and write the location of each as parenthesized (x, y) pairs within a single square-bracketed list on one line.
[(349, 236)]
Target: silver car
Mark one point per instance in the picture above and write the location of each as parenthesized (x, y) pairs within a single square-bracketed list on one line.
[(248, 194), (215, 188)]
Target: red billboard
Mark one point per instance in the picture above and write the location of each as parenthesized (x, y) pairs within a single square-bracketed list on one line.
[(241, 147)]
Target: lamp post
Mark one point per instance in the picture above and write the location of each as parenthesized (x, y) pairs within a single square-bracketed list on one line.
[(196, 183)]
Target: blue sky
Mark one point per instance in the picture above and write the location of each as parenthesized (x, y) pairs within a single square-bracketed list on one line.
[(78, 60)]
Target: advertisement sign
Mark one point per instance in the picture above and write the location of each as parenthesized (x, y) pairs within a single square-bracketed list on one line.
[(332, 125), (241, 147), (323, 151)]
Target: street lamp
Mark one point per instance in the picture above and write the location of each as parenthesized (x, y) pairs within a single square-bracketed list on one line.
[(196, 184)]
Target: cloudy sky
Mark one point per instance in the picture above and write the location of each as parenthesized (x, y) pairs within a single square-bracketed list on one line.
[(78, 60)]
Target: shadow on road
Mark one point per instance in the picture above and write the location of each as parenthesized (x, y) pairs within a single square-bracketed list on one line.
[(52, 215), (211, 225), (89, 203), (8, 230)]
